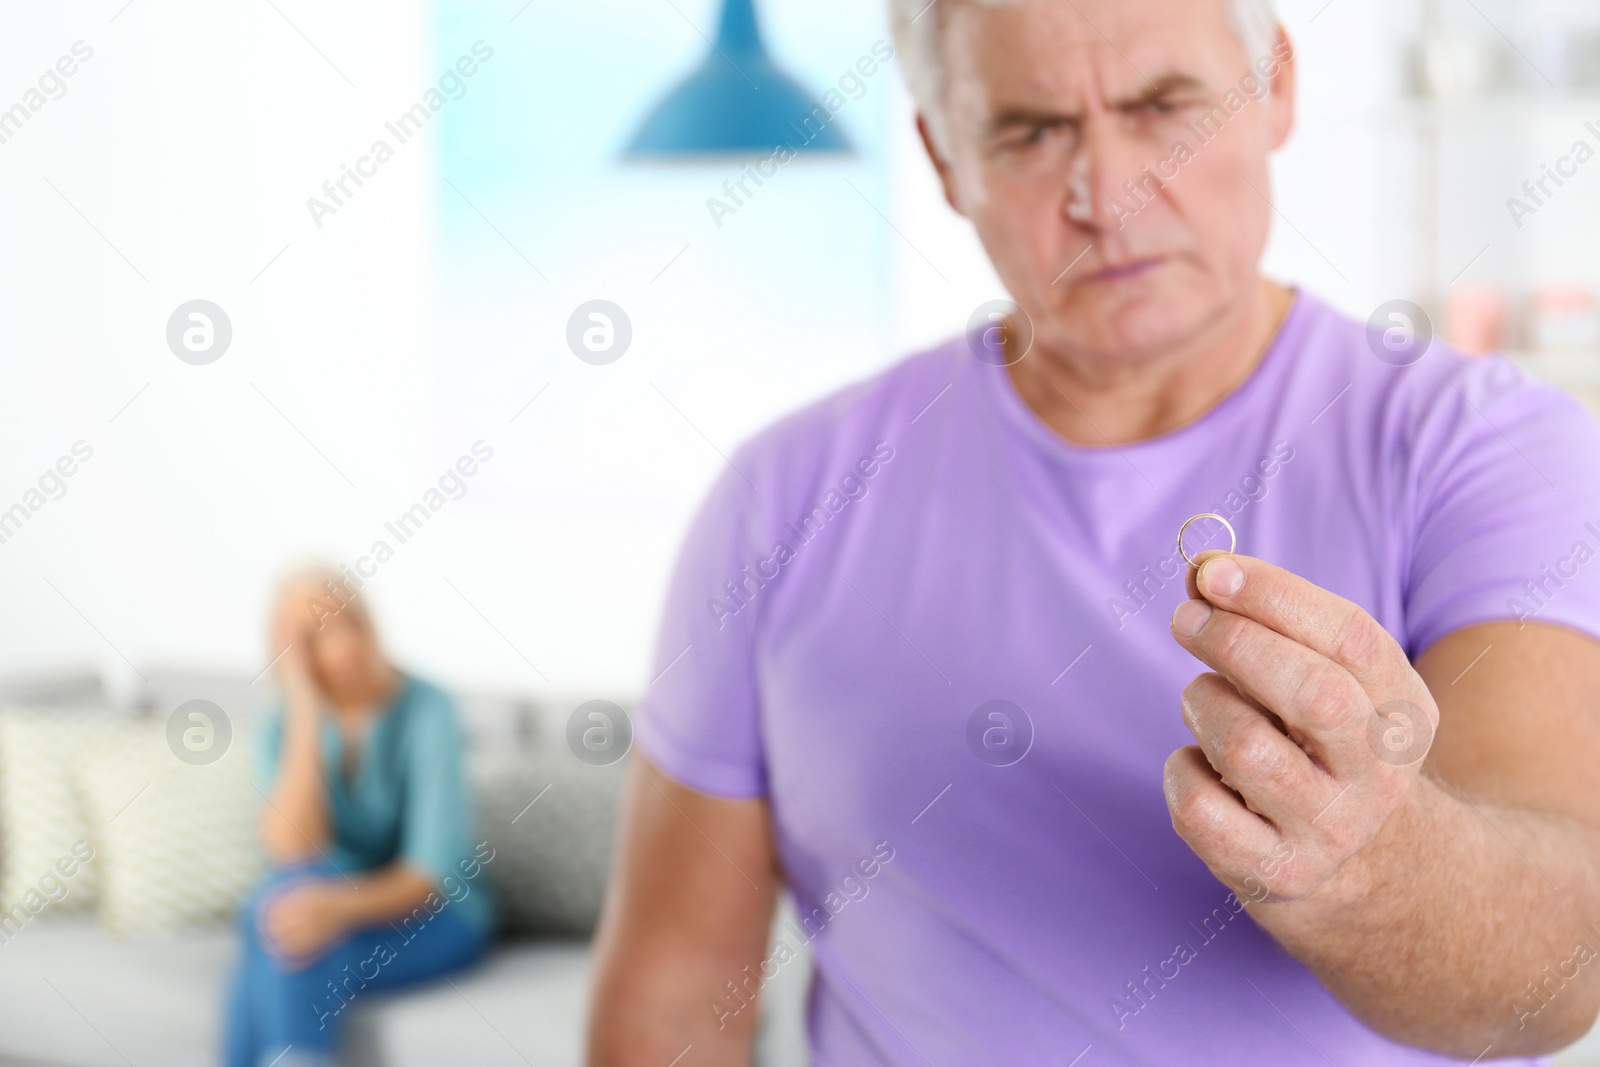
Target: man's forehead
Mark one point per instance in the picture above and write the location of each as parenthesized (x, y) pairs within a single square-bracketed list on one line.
[(1119, 47)]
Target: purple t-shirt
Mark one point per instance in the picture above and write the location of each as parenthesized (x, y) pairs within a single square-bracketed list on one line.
[(935, 636)]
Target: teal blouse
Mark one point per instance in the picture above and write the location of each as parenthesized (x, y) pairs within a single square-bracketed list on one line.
[(407, 798)]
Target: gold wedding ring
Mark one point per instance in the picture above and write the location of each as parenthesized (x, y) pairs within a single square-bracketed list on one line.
[(1233, 538)]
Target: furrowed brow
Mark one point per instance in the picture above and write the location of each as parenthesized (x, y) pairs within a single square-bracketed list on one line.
[(1024, 117), (1159, 88)]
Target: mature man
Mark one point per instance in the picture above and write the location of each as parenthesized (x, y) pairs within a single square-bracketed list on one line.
[(927, 658)]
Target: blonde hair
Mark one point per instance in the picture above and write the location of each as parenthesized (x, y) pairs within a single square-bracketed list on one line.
[(335, 584)]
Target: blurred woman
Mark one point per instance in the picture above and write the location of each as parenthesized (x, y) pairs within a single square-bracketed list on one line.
[(374, 881)]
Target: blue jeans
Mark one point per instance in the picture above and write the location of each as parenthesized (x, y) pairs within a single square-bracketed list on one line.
[(272, 1008)]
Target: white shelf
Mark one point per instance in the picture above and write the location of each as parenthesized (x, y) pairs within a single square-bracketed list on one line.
[(1513, 105), (1570, 370)]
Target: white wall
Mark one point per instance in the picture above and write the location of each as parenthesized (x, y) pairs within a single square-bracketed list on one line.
[(190, 142)]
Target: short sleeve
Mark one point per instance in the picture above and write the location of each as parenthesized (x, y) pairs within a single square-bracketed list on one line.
[(433, 834), (699, 717), (1508, 522)]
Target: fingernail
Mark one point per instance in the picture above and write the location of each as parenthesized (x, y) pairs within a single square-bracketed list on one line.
[(1222, 576), (1191, 617)]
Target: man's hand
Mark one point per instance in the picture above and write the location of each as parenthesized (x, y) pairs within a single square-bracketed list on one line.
[(1311, 730), (302, 922)]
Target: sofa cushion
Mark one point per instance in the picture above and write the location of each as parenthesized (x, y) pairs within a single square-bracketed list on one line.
[(525, 1006), (549, 818), (41, 822), (174, 840), (76, 994)]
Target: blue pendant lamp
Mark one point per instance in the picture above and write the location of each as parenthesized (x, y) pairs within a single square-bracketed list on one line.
[(736, 101)]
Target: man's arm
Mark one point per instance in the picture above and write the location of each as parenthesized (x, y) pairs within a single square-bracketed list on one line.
[(690, 904), (1481, 887), (1450, 908)]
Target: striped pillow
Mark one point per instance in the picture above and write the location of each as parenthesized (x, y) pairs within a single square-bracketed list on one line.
[(175, 842), (43, 834)]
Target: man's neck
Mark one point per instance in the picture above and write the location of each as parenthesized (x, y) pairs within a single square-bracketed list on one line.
[(1091, 405)]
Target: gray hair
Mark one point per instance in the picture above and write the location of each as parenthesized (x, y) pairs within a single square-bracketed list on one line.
[(916, 26)]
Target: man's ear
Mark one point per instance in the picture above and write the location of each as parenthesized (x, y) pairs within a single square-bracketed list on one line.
[(1283, 88), (940, 164)]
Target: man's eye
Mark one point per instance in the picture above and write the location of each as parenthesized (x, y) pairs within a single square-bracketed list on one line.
[(1162, 106), (1035, 136), (1040, 132), (1016, 142)]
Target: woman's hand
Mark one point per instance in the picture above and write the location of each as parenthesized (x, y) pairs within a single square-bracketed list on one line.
[(305, 920), (291, 636), (296, 825)]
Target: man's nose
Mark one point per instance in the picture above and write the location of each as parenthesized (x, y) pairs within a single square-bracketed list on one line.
[(1109, 178)]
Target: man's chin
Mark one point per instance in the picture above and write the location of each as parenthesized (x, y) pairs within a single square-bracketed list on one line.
[(1129, 318)]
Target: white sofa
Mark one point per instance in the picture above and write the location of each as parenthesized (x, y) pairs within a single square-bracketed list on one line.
[(74, 995)]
